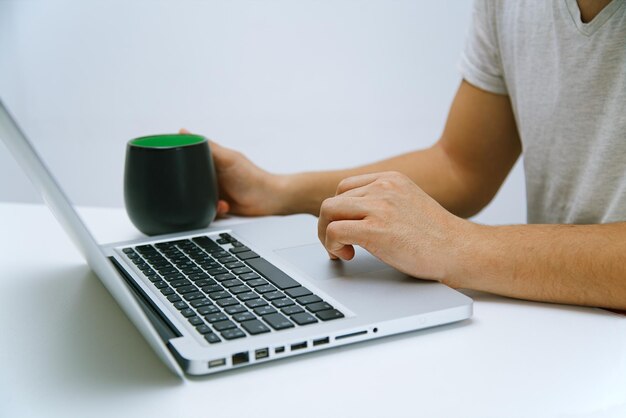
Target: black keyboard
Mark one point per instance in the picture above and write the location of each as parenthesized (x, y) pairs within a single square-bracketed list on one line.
[(226, 290)]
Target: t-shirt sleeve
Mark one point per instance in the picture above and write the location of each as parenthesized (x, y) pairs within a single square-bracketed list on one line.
[(480, 63)]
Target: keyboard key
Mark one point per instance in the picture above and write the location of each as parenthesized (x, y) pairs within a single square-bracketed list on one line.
[(212, 288), (226, 260), (197, 303), (195, 320), (167, 291), (174, 298), (231, 334), (282, 302), (224, 325), (203, 329), (219, 295), (180, 283), (305, 300), (329, 315), (265, 288), (255, 303), (223, 241), (256, 282), (201, 276), (217, 270), (278, 321), (243, 316), (234, 309), (238, 289), (237, 250), (205, 282), (173, 276), (237, 244), (206, 243), (187, 313), (247, 296), (224, 276), (318, 306), (296, 292), (209, 309), (276, 276), (227, 302), (255, 327), (220, 254), (180, 305), (249, 276), (186, 289), (247, 255), (145, 249), (232, 282), (303, 318), (216, 317), (192, 296), (273, 295), (227, 237), (153, 277), (234, 265), (160, 284), (290, 310), (241, 270), (264, 310), (212, 338)]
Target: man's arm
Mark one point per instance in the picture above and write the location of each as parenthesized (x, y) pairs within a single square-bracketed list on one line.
[(574, 264), (462, 171), (392, 218)]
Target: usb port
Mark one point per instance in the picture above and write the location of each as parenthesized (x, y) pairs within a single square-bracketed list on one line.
[(298, 346), (217, 363), (240, 358), (321, 341), (261, 353)]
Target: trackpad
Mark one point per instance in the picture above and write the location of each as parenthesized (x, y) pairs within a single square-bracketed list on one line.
[(313, 260)]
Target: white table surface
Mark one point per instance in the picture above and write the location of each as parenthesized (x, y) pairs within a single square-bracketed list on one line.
[(68, 350)]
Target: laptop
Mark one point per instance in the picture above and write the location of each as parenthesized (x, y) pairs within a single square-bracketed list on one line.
[(220, 298)]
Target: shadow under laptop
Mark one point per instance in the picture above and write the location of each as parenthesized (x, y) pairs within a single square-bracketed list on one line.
[(98, 348)]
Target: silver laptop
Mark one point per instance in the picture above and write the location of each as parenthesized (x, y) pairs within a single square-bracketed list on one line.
[(220, 298)]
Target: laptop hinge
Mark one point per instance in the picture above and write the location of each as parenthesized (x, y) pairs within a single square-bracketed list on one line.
[(163, 326)]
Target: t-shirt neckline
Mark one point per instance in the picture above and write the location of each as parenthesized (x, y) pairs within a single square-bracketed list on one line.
[(600, 19)]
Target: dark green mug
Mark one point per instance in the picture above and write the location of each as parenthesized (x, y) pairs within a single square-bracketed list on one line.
[(170, 183)]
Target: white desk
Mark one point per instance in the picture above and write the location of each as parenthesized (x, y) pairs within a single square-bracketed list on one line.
[(67, 350)]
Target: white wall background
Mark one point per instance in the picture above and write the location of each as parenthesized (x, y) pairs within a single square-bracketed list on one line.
[(295, 84)]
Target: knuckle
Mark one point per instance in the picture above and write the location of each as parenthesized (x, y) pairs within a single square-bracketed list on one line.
[(327, 205), (332, 231), (341, 186)]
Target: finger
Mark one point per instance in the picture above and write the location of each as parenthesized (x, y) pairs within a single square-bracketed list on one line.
[(339, 208), (357, 192), (183, 131), (222, 156), (342, 236), (222, 208), (355, 182)]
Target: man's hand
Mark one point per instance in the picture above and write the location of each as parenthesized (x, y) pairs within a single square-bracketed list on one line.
[(392, 218), (245, 189)]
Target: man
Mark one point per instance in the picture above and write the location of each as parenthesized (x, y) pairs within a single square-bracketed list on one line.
[(545, 77)]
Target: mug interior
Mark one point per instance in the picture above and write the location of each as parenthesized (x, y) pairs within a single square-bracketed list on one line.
[(167, 140)]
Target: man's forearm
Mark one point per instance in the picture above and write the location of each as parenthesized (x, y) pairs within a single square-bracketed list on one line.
[(573, 264), (430, 168)]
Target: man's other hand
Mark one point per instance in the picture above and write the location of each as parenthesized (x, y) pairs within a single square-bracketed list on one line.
[(395, 220)]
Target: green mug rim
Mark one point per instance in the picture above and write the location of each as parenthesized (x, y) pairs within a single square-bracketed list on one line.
[(167, 141)]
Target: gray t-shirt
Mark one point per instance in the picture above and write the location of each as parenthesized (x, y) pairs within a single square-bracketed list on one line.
[(567, 85)]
